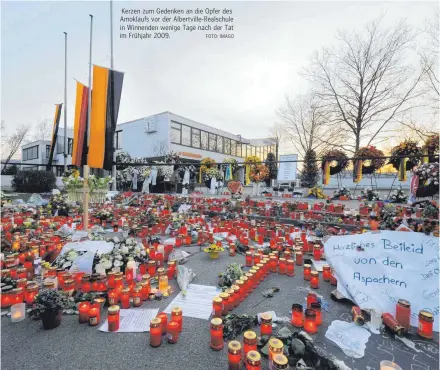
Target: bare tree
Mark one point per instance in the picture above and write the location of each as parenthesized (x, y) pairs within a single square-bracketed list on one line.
[(365, 81), (13, 143), (306, 123), (160, 148), (429, 57), (43, 130)]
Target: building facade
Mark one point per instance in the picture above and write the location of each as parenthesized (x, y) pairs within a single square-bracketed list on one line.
[(157, 135), (37, 154)]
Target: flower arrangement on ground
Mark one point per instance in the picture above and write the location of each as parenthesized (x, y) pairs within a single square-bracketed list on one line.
[(342, 192), (58, 202), (213, 250), (49, 305), (232, 162), (369, 194), (407, 148), (337, 156), (429, 179), (316, 192), (398, 196), (259, 173), (72, 180), (372, 161)]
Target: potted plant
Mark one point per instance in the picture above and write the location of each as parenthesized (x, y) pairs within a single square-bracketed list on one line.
[(213, 250), (50, 305)]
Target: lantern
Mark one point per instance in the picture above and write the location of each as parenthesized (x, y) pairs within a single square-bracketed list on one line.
[(234, 355), (155, 332), (164, 322), (250, 342), (297, 315), (317, 253), (314, 280), (216, 343), (83, 309), (125, 298), (299, 258), (426, 320), (266, 324), (253, 361), (403, 313), (307, 271), (176, 316), (316, 306), (310, 322), (217, 307), (282, 267), (326, 273), (290, 265), (248, 259)]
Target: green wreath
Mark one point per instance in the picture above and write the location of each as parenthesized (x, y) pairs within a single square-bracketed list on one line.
[(372, 154), (339, 157), (431, 146), (407, 148)]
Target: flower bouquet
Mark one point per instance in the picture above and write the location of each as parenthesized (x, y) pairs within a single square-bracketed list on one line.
[(342, 194), (398, 196), (213, 250), (407, 148), (429, 179), (369, 194), (49, 306), (317, 193)]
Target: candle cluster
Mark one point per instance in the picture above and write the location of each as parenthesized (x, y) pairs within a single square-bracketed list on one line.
[(162, 329)]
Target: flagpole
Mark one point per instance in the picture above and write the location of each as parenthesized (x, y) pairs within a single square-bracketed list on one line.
[(65, 102), (112, 117), (89, 121)]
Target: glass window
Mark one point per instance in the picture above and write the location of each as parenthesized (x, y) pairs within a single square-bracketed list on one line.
[(30, 153), (47, 151), (238, 149), (176, 129), (69, 146), (119, 139), (258, 152), (212, 142), (220, 144), (249, 150), (59, 145), (227, 146), (195, 137), (186, 135), (204, 140)]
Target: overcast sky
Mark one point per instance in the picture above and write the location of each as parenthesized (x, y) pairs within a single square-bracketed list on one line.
[(236, 84)]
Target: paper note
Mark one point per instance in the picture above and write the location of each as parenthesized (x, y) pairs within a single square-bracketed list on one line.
[(352, 339), (133, 321), (196, 303), (318, 265)]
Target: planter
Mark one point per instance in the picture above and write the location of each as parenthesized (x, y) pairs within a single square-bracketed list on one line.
[(75, 195), (98, 196), (51, 319), (214, 255)]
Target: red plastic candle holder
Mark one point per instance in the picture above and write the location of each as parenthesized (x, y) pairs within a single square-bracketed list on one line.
[(310, 325), (307, 272)]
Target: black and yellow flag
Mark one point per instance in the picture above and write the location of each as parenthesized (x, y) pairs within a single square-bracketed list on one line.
[(107, 88), (79, 152), (56, 123)]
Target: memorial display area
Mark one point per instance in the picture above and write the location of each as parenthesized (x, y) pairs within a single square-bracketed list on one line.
[(170, 282)]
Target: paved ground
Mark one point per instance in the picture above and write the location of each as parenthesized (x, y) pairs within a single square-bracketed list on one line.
[(72, 346)]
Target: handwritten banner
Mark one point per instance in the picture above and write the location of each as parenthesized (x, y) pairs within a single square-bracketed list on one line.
[(378, 269)]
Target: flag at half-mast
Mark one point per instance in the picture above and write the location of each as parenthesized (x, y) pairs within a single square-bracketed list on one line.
[(79, 151), (56, 124), (107, 89)]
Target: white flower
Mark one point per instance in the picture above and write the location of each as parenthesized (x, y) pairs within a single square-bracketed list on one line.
[(124, 249), (118, 257), (143, 253), (71, 256), (117, 263), (107, 264)]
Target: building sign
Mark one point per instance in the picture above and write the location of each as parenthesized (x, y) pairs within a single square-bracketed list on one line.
[(376, 269), (287, 171), (190, 155)]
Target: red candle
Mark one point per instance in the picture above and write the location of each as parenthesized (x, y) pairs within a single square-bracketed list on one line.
[(326, 273), (307, 271), (155, 332), (317, 308), (310, 322), (290, 268), (403, 313), (253, 361), (297, 315), (86, 286), (172, 332), (248, 259), (84, 308), (145, 284), (225, 298), (176, 316), (391, 323), (171, 270), (333, 280), (129, 275), (250, 342), (426, 322), (317, 252), (217, 307), (31, 292), (151, 268), (299, 258), (113, 297), (282, 266), (164, 322), (231, 298), (234, 355), (216, 331), (257, 258), (125, 298), (314, 280), (236, 296), (273, 263), (311, 297), (266, 324)]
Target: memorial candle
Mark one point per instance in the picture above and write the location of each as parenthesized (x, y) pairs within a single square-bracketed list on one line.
[(257, 258), (260, 270), (311, 297), (242, 294), (299, 258), (253, 361), (391, 323), (216, 331), (113, 318), (31, 292), (326, 273), (234, 355), (280, 362), (426, 322), (172, 332), (232, 250), (333, 280), (137, 296), (290, 267), (155, 332), (176, 316), (151, 268), (403, 313), (125, 298), (93, 316), (236, 297), (314, 280), (86, 286), (317, 253), (266, 324), (282, 267), (307, 272), (317, 308), (273, 263), (275, 347), (83, 309), (297, 315), (164, 322), (250, 342), (145, 284), (171, 272), (113, 297), (217, 307), (310, 321)]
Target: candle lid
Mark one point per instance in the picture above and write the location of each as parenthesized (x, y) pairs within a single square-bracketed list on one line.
[(176, 310), (298, 253), (325, 267), (297, 307), (315, 306), (119, 274), (154, 323), (161, 271), (126, 290), (244, 278), (239, 282), (309, 313), (229, 291), (253, 358), (314, 273), (216, 321), (85, 278), (234, 347), (152, 262), (111, 273), (137, 289), (404, 303), (282, 259), (49, 284), (146, 277), (290, 261), (307, 266), (275, 343), (250, 335), (224, 295), (69, 281), (280, 361), (217, 300), (172, 324), (113, 308), (266, 317), (426, 315)]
